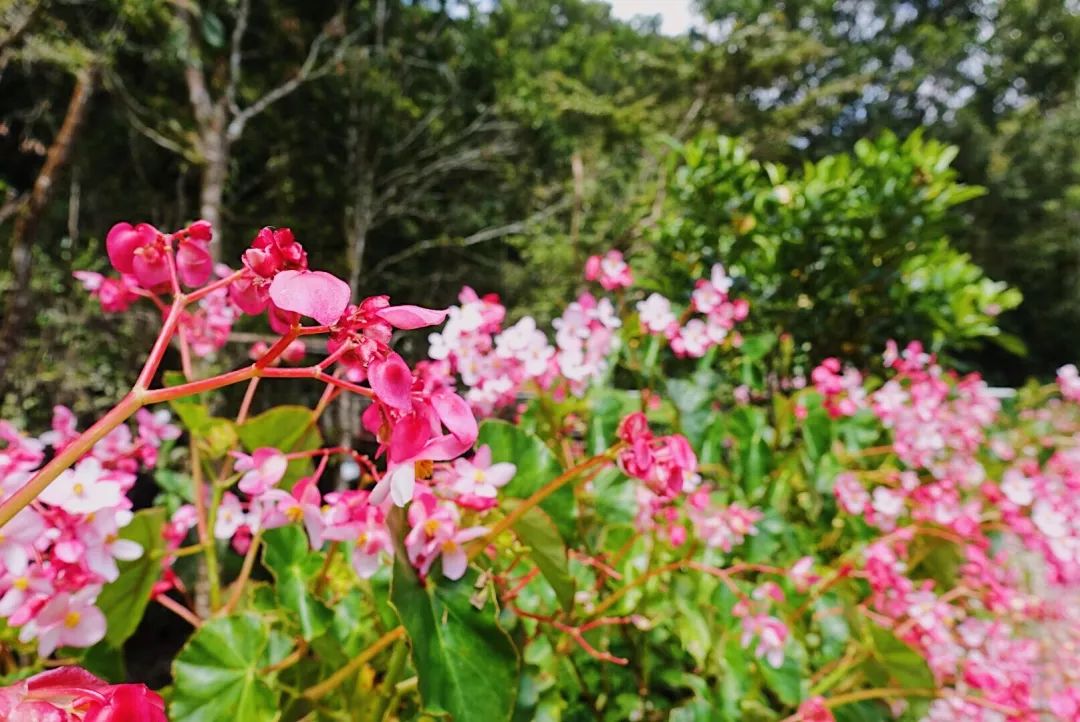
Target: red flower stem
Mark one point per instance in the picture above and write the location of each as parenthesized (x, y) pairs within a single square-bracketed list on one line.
[(207, 290), (329, 360), (179, 610), (185, 354), (161, 344), (314, 372), (277, 349), (245, 405), (173, 277)]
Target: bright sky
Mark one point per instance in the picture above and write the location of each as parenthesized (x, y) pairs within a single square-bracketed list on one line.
[(676, 14)]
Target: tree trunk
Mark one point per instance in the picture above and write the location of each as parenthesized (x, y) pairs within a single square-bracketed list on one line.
[(26, 221), (215, 151)]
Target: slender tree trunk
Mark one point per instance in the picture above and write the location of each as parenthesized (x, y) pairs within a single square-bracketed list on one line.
[(27, 218), (215, 150)]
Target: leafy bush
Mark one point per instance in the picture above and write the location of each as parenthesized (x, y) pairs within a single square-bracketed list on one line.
[(839, 252)]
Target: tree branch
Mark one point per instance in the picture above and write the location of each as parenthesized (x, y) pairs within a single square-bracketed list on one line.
[(487, 234), (308, 71), (235, 55)]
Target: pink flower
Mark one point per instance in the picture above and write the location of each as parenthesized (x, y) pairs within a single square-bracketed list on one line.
[(435, 533), (263, 470), (67, 620), (230, 516), (84, 489), (655, 313), (815, 710), (478, 477), (114, 295), (802, 574), (156, 427), (409, 318), (17, 540), (610, 270), (772, 636), (303, 504), (128, 703), (71, 694), (315, 294), (194, 264), (350, 517)]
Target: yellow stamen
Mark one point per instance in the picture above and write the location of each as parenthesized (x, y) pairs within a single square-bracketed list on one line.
[(72, 620)]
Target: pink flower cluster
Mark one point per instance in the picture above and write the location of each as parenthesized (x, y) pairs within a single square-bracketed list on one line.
[(697, 335), (56, 554), (757, 623), (842, 391), (585, 336), (494, 364), (459, 490), (720, 527), (941, 425), (610, 270)]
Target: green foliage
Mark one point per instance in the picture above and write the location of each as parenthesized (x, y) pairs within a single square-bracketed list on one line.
[(536, 465), (290, 559), (843, 253), (124, 600), (217, 677), (467, 665), (288, 428)]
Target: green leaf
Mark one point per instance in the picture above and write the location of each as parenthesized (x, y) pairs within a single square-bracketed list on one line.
[(217, 673), (287, 428), (536, 466), (105, 661), (124, 600), (213, 30), (755, 347), (786, 681), (467, 666), (536, 530), (900, 661), (288, 556)]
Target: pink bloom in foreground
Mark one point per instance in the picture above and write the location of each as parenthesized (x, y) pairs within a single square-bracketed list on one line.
[(71, 694), (262, 470), (477, 477), (316, 294), (67, 620), (84, 489)]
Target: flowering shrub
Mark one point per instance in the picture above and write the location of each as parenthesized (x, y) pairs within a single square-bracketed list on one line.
[(656, 517)]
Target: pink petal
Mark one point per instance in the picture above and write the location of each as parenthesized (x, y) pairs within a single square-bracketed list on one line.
[(454, 564), (123, 239), (316, 294), (408, 438), (391, 380), (194, 263), (412, 317), (456, 415)]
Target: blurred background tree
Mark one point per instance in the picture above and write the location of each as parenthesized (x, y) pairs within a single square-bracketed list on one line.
[(418, 145)]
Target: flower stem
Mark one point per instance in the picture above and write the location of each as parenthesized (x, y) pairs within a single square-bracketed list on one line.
[(332, 682), (538, 496)]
